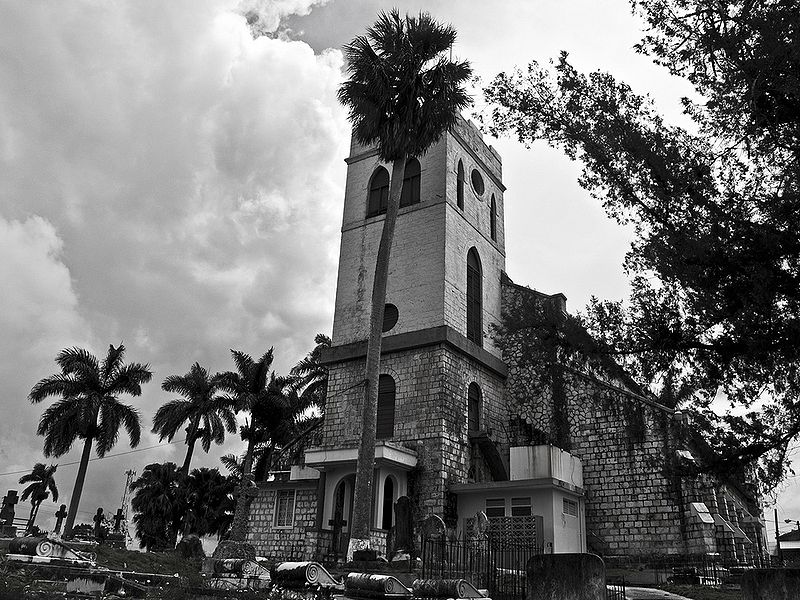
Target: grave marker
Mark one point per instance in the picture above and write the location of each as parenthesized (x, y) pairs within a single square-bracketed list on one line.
[(60, 516)]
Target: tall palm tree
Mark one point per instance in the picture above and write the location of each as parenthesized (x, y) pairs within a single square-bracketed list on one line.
[(42, 483), (310, 376), (403, 94), (207, 413), (248, 388), (89, 408)]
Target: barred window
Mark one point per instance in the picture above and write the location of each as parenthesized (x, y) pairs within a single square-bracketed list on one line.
[(570, 507), (284, 508), (495, 507), (521, 507), (474, 407)]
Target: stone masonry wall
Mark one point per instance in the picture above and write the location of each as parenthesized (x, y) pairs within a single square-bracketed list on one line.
[(289, 543), (430, 413), (634, 506)]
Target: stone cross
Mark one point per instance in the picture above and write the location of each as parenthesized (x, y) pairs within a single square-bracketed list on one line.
[(118, 520), (99, 534), (60, 515), (7, 510)]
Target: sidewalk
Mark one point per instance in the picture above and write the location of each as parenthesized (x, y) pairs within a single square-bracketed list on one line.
[(640, 593)]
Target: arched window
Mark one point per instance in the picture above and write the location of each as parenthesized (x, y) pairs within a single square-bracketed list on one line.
[(388, 503), (493, 219), (378, 192), (474, 407), (474, 297), (410, 193), (384, 425), (460, 186)]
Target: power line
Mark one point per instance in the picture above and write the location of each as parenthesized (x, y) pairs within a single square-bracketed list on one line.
[(77, 462)]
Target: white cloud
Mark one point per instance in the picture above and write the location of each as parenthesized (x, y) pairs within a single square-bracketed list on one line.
[(169, 181)]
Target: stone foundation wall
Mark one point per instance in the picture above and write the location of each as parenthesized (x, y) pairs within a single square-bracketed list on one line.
[(285, 543)]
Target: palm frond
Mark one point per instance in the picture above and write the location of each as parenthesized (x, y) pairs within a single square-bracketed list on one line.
[(170, 417), (61, 425), (57, 384), (129, 379), (112, 361), (79, 362)]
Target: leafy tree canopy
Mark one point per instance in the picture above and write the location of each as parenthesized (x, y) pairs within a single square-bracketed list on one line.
[(714, 313)]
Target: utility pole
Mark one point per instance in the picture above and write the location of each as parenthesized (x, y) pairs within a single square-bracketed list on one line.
[(777, 537), (124, 504)]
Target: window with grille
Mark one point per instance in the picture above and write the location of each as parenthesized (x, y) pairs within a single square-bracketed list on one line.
[(474, 298), (570, 507), (521, 507), (411, 179), (284, 508), (384, 425), (474, 407), (495, 507), (493, 219), (460, 186), (378, 192)]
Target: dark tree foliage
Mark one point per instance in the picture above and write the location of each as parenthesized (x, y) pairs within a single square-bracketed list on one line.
[(713, 320), (167, 502)]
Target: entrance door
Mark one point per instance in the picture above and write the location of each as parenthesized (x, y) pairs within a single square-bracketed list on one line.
[(342, 516)]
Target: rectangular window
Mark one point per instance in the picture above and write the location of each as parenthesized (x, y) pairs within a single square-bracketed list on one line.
[(284, 508), (495, 507), (520, 507), (570, 508)]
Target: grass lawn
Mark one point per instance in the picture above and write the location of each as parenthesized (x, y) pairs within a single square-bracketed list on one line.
[(167, 563)]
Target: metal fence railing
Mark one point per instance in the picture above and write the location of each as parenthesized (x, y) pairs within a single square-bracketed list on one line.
[(495, 565)]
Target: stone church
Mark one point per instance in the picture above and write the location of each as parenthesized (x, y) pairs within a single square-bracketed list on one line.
[(584, 461)]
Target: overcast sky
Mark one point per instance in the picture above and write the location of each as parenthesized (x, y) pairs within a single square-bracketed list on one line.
[(170, 182)]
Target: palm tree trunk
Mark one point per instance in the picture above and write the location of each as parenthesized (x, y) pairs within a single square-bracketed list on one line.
[(191, 439), (240, 513), (362, 503), (31, 518), (188, 459), (78, 489)]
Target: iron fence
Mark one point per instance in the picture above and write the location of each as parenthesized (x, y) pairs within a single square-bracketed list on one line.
[(492, 564), (615, 588)]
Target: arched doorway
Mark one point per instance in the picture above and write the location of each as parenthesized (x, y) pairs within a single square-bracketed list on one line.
[(342, 516)]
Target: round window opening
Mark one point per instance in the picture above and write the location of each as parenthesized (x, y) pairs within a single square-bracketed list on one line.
[(390, 315), (477, 182)]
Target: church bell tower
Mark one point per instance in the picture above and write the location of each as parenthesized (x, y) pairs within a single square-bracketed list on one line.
[(441, 384)]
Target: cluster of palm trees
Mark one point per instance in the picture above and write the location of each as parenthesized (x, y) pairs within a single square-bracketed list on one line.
[(279, 413), (167, 502)]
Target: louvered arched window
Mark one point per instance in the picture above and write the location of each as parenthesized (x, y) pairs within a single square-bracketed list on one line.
[(460, 185), (474, 297), (493, 219), (410, 193), (378, 192), (384, 424)]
